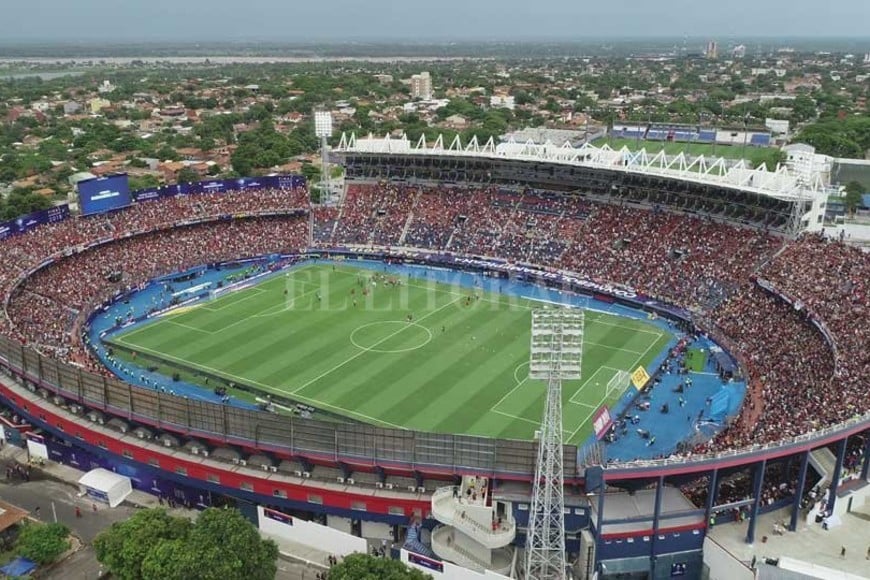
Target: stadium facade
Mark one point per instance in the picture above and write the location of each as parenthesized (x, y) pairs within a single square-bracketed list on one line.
[(621, 518)]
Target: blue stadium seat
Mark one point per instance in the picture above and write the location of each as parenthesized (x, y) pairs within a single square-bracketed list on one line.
[(685, 136)]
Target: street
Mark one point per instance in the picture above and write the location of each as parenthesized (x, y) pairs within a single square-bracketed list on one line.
[(83, 565)]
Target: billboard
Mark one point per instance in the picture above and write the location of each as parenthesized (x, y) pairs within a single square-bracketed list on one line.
[(221, 186), (26, 222), (601, 422), (639, 378), (104, 194)]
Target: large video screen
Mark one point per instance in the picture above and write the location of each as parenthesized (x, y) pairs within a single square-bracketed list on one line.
[(104, 194)]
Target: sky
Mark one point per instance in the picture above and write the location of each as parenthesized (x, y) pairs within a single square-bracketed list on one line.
[(429, 20)]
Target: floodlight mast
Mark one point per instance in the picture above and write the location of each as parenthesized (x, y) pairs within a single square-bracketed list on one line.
[(323, 130), (556, 354)]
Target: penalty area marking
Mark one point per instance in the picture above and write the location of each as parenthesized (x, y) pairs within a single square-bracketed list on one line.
[(404, 324)]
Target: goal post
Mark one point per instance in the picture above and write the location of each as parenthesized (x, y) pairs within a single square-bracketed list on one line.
[(617, 385)]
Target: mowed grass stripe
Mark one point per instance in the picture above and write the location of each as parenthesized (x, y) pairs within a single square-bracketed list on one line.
[(483, 364), (356, 318), (434, 383), (360, 366), (451, 384), (392, 373)]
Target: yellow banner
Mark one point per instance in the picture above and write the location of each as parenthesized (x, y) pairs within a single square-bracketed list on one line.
[(639, 378)]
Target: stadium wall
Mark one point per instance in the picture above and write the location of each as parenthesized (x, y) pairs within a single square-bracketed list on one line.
[(440, 569), (285, 527), (165, 467)]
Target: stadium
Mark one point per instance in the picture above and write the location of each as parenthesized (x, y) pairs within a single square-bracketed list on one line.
[(362, 370)]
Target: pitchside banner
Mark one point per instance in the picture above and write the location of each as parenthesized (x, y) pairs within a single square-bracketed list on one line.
[(639, 378), (221, 185), (425, 562), (29, 221), (278, 516), (601, 422)]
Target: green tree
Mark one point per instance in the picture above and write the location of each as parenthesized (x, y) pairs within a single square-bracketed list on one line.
[(42, 543), (771, 157), (188, 175), (124, 546), (146, 181), (366, 567), (852, 199), (21, 202), (311, 173), (849, 137), (220, 545)]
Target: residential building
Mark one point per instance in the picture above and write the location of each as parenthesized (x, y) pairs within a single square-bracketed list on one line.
[(421, 86), (384, 79), (71, 108), (712, 51), (457, 122), (98, 104), (502, 102)]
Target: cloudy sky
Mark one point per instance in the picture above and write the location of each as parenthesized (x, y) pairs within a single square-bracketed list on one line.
[(373, 20)]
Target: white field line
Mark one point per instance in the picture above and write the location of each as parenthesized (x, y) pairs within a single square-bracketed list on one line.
[(183, 325), (586, 382), (263, 386), (259, 314), (232, 294), (250, 294), (362, 352), (527, 307), (640, 358), (509, 393), (286, 306)]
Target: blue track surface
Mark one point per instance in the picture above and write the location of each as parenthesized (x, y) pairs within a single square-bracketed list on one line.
[(679, 424)]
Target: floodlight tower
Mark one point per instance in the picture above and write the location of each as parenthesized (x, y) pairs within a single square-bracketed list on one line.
[(323, 130), (556, 353)]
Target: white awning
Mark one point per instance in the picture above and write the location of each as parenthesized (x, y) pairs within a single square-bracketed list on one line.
[(106, 486)]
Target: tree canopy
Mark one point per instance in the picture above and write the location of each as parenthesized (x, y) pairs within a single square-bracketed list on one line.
[(220, 545), (22, 202), (367, 567), (42, 543), (852, 199), (849, 137)]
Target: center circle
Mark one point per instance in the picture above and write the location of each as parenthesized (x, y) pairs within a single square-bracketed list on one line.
[(377, 336)]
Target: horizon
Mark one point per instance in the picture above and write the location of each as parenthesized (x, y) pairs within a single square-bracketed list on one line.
[(449, 21)]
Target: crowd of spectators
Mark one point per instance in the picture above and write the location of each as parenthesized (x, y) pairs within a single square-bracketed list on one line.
[(788, 363), (801, 382), (798, 380), (780, 482), (687, 260), (43, 309)]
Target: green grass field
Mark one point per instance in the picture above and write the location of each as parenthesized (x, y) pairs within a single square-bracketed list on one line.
[(696, 360), (458, 367), (753, 154)]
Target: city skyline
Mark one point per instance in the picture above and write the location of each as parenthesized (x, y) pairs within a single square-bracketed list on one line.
[(449, 20)]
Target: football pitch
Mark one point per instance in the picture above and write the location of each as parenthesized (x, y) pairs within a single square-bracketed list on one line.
[(393, 350), (737, 151)]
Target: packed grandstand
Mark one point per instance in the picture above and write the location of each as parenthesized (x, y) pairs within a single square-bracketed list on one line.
[(793, 311)]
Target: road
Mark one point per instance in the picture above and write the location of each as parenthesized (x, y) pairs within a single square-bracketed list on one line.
[(83, 565)]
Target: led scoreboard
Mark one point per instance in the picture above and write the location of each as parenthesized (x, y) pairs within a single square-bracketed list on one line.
[(104, 194)]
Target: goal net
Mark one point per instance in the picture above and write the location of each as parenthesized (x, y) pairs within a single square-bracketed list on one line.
[(617, 385)]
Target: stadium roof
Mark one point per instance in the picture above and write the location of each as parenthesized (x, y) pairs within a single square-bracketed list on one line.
[(781, 182)]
